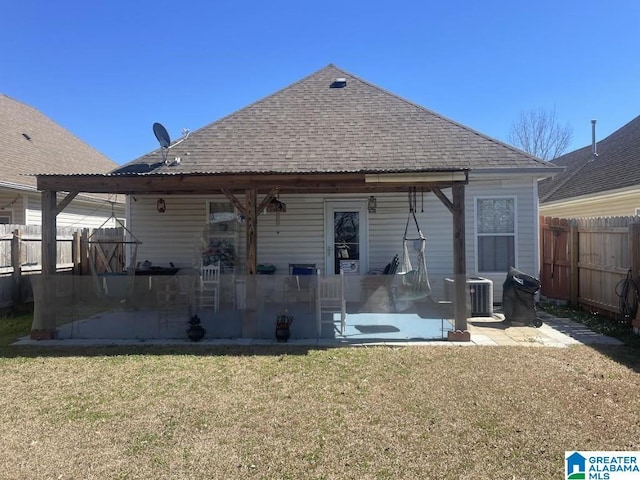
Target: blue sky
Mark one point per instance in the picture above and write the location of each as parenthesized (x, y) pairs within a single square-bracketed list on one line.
[(107, 70)]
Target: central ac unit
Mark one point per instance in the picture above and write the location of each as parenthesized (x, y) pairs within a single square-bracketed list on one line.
[(480, 295)]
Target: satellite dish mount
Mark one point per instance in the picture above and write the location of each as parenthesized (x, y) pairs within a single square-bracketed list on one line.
[(165, 142)]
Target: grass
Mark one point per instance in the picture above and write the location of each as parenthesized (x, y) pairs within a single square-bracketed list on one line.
[(293, 413), (14, 327)]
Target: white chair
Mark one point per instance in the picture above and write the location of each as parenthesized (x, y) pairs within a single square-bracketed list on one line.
[(209, 291), (330, 300)]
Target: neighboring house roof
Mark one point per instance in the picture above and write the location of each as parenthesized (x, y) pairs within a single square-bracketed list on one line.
[(617, 165), (31, 143), (318, 126)]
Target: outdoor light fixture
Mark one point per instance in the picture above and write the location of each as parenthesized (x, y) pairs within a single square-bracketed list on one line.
[(160, 205), (372, 204)]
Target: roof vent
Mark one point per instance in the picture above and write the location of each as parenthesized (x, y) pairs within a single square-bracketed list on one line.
[(339, 83)]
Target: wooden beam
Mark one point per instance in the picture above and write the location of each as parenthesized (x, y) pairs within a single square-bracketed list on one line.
[(235, 202), (66, 201), (206, 184), (270, 196), (443, 198)]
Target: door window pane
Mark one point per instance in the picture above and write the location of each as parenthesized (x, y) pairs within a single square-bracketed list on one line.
[(346, 234)]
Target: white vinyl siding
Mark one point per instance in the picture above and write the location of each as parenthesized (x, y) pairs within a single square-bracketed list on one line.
[(623, 202), (298, 236), (527, 232), (78, 214), (12, 203)]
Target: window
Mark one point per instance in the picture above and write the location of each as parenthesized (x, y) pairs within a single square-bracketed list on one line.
[(495, 230), (5, 218)]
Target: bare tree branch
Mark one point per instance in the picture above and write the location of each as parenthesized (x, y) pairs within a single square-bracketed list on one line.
[(539, 133)]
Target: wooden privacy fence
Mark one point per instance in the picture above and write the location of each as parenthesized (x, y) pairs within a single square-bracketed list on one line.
[(586, 260), (21, 255)]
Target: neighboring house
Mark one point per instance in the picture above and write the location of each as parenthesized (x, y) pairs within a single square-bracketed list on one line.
[(342, 156), (31, 143), (600, 180)]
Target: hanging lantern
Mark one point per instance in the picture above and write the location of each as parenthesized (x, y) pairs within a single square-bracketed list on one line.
[(276, 205), (372, 204)]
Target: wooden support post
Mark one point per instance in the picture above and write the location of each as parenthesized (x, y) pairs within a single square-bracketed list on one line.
[(16, 264), (252, 230), (250, 327), (574, 268), (459, 267), (44, 315)]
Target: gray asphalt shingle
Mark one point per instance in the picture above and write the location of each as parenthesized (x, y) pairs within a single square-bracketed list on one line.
[(31, 143), (616, 166), (310, 127)]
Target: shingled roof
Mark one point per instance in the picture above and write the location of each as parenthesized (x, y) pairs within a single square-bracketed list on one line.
[(318, 125), (31, 143), (616, 166)]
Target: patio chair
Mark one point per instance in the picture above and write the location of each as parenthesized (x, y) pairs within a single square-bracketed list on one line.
[(209, 291), (299, 285), (330, 299)]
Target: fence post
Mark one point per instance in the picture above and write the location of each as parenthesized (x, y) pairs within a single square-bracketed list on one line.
[(16, 264), (75, 253), (574, 272), (84, 253), (634, 247)]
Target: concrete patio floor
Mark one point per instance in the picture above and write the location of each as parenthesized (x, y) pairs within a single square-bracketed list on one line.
[(485, 331)]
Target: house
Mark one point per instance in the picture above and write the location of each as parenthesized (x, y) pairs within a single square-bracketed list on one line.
[(600, 180), (328, 172), (32, 143)]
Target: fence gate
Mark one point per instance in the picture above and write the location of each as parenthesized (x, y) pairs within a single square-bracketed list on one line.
[(555, 262), (106, 250)]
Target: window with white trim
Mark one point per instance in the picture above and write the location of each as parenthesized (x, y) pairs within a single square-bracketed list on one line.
[(496, 234), (5, 218)]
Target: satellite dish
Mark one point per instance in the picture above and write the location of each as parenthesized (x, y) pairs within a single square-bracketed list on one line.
[(162, 135)]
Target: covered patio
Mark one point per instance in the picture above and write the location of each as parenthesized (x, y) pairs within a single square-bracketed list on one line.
[(150, 308), (335, 148)]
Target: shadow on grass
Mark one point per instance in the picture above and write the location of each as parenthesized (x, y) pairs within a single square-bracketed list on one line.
[(200, 350), (627, 355)]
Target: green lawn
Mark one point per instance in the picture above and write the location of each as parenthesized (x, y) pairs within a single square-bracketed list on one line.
[(284, 412)]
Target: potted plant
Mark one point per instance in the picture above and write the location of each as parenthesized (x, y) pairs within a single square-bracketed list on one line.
[(196, 331), (283, 322)]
